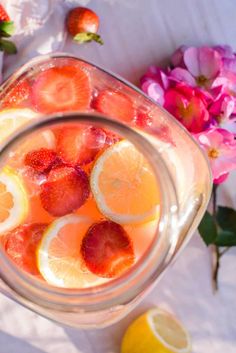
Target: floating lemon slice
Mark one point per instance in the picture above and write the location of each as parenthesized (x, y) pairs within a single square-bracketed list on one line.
[(13, 200), (58, 255), (156, 331), (124, 185), (12, 119)]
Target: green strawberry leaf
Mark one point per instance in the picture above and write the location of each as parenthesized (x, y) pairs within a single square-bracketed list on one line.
[(225, 238), (6, 28), (226, 218), (207, 229), (85, 37), (7, 46)]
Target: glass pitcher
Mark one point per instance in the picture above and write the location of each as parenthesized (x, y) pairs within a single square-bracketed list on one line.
[(180, 168)]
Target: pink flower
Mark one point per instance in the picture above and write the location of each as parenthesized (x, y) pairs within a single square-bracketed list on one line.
[(223, 107), (220, 147), (154, 83), (226, 80), (199, 66), (188, 106)]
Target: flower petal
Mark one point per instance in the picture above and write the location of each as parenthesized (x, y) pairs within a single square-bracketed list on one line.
[(156, 74), (225, 51), (222, 165), (177, 56), (221, 179), (183, 75), (210, 62), (191, 60), (203, 61), (154, 90), (229, 64)]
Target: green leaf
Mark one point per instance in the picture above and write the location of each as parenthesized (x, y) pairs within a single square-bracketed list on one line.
[(207, 229), (226, 218), (85, 37), (7, 28), (7, 46), (225, 238)]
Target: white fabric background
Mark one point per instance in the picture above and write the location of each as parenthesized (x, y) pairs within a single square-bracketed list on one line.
[(136, 33)]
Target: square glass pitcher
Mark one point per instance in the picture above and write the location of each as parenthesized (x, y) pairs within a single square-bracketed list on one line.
[(100, 188)]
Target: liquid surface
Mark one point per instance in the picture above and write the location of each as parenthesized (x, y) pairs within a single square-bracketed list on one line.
[(79, 205)]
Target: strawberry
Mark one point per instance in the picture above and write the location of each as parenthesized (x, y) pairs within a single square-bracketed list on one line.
[(65, 190), (3, 14), (107, 249), (18, 95), (21, 244), (41, 160), (80, 144), (61, 89), (6, 30), (143, 120), (82, 23), (116, 105)]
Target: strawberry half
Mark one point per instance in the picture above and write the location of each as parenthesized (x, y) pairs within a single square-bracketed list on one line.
[(116, 105), (21, 244), (17, 95), (80, 144), (107, 249), (65, 190), (41, 160), (61, 89), (3, 14)]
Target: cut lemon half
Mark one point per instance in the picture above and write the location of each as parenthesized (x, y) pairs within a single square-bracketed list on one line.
[(14, 203), (12, 119), (156, 331), (124, 185), (58, 255)]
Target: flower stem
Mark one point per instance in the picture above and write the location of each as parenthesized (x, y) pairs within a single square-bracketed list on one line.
[(215, 266), (214, 248)]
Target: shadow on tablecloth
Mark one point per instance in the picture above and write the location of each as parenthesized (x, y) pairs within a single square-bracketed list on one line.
[(9, 343)]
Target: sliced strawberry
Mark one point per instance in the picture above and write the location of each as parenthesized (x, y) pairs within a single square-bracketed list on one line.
[(143, 120), (80, 144), (112, 137), (107, 249), (65, 190), (116, 105), (61, 89), (41, 160), (18, 95), (3, 14), (21, 244)]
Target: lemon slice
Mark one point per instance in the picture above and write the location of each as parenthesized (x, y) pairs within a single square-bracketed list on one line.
[(156, 331), (124, 185), (58, 255), (12, 119), (14, 203)]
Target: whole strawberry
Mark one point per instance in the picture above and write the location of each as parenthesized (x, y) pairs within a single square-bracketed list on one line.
[(82, 23), (3, 14), (6, 30)]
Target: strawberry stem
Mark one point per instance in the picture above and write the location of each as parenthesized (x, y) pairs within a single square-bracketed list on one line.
[(86, 37)]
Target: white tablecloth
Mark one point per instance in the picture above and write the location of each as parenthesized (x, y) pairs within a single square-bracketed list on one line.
[(136, 33)]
